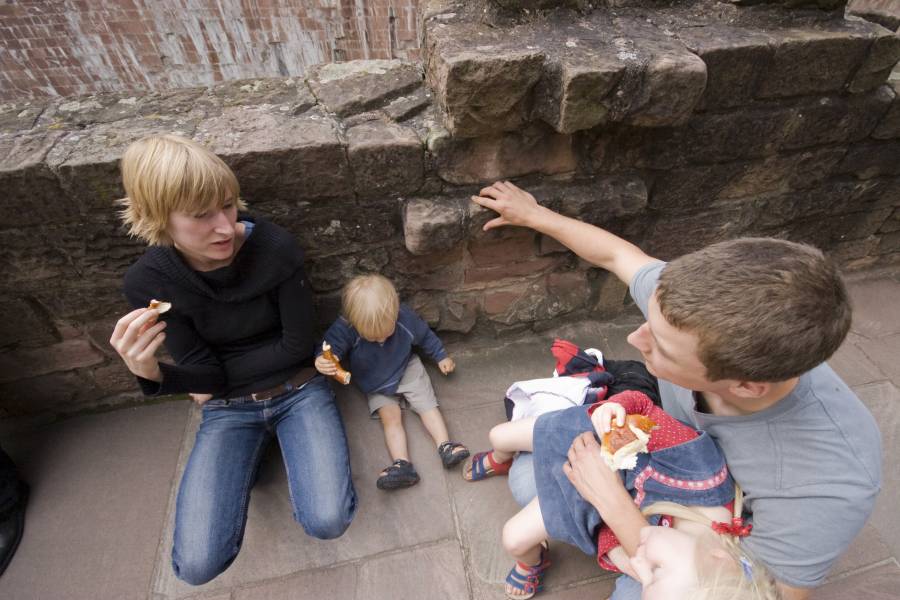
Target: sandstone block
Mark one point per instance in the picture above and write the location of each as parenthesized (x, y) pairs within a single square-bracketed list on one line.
[(568, 291), (435, 271), (20, 116), (884, 12), (692, 187), (279, 157), (31, 192), (46, 394), (735, 58), (428, 307), (892, 223), (877, 66), (889, 127), (22, 324), (513, 256), (865, 161), (288, 91), (822, 4), (459, 313), (534, 149), (385, 159), (782, 173), (408, 105), (611, 296), (672, 80), (433, 225), (481, 80), (596, 201), (499, 301), (836, 119), (64, 356), (87, 162), (810, 61), (355, 86), (581, 70), (570, 94)]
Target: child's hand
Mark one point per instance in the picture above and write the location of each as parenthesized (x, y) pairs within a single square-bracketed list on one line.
[(201, 399), (603, 416), (447, 366), (325, 366)]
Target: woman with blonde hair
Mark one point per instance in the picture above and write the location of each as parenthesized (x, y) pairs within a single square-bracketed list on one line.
[(240, 331)]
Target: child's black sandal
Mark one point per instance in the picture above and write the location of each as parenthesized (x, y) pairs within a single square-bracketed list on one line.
[(452, 453)]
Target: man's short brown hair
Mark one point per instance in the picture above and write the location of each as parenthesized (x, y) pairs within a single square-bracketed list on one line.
[(763, 309)]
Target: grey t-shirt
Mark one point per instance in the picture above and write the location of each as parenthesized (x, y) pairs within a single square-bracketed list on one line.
[(810, 466)]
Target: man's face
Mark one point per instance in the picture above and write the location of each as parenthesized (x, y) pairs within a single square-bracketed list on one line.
[(669, 352)]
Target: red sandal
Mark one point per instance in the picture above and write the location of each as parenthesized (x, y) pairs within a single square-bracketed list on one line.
[(478, 470)]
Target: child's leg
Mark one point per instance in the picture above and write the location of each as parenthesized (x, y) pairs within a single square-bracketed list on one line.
[(394, 434), (522, 538), (434, 424), (514, 436), (506, 440)]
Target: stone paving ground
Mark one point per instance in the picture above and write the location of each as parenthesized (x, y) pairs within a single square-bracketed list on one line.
[(99, 522)]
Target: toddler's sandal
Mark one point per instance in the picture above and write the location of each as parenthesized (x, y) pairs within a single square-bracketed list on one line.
[(452, 453), (482, 465), (530, 580), (401, 474)]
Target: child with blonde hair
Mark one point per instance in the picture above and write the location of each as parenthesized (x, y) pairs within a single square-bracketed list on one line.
[(375, 337)]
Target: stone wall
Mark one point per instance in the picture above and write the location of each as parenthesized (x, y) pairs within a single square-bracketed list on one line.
[(674, 127), (65, 47)]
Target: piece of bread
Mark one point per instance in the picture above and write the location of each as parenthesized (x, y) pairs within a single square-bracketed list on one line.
[(341, 375), (621, 445), (159, 305)]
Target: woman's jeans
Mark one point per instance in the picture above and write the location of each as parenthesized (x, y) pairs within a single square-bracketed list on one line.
[(211, 509)]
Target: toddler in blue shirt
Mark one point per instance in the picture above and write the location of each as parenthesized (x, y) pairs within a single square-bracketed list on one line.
[(374, 339)]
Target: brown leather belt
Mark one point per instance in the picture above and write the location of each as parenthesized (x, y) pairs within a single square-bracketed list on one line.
[(302, 377)]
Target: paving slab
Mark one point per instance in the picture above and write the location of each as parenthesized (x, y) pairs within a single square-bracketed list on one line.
[(878, 583), (99, 487), (884, 352), (852, 363), (883, 399), (875, 314)]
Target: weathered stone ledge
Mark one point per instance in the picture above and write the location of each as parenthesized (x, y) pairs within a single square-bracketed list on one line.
[(645, 67)]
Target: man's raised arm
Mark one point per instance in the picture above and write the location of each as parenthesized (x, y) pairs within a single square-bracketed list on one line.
[(597, 246)]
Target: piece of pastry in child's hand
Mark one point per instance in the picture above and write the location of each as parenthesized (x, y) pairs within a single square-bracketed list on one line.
[(620, 447)]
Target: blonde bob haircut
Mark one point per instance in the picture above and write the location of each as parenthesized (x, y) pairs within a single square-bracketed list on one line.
[(371, 304), (166, 173)]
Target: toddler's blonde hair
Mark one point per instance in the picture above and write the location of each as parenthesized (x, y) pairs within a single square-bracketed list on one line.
[(716, 579), (166, 173), (371, 304)]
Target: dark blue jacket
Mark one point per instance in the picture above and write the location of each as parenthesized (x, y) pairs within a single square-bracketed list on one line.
[(378, 368)]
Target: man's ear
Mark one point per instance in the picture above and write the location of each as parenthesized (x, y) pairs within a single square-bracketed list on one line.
[(749, 389)]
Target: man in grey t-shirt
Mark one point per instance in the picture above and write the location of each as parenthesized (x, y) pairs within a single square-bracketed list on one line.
[(737, 334)]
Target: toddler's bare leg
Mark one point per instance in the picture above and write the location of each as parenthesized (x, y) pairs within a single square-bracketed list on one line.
[(522, 537), (394, 434), (509, 438), (434, 423)]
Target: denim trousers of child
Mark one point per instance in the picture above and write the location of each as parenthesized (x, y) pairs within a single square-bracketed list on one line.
[(211, 509)]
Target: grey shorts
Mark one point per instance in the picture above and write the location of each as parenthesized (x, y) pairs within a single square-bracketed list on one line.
[(415, 386)]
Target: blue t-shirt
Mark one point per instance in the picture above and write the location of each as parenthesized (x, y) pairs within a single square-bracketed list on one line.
[(378, 368), (810, 465)]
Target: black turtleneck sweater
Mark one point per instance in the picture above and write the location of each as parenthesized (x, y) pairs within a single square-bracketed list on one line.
[(234, 330)]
